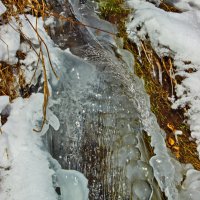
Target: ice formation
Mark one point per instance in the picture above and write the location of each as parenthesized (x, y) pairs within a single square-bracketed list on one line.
[(106, 111), (73, 185)]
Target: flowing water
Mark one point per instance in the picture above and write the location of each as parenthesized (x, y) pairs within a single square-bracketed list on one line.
[(104, 114)]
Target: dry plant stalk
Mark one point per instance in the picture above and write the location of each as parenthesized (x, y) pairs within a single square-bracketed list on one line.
[(169, 8), (161, 63)]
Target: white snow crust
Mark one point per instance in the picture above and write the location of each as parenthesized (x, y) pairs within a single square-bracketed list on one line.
[(185, 4), (9, 43), (26, 173)]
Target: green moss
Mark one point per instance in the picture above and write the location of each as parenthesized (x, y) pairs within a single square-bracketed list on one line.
[(115, 12), (112, 7)]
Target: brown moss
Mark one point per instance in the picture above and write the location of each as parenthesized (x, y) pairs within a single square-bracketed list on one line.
[(11, 80), (15, 7)]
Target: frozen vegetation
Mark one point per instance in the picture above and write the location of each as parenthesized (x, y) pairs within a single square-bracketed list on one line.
[(98, 110)]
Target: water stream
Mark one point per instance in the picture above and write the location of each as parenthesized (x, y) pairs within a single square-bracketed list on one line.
[(104, 113)]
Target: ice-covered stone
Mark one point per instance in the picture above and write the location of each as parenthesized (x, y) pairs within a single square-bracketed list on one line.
[(139, 170), (142, 190), (73, 185), (130, 139), (126, 154)]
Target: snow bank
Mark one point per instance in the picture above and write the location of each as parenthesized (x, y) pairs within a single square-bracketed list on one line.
[(176, 35), (27, 174), (24, 166)]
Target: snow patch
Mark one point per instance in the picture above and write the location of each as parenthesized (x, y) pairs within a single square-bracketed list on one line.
[(28, 175), (9, 43), (4, 100)]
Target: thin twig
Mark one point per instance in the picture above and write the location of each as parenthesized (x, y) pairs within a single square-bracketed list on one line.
[(69, 19)]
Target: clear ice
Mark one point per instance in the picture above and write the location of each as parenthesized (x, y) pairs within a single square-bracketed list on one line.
[(104, 114), (73, 185)]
